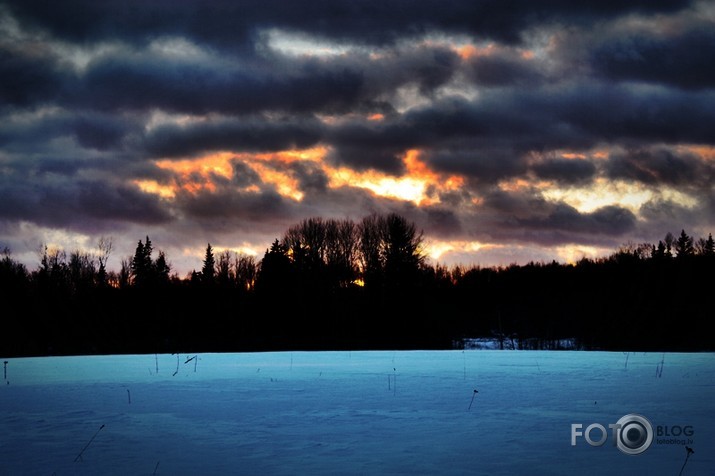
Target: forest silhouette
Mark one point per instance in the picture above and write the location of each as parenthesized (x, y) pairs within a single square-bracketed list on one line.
[(330, 284)]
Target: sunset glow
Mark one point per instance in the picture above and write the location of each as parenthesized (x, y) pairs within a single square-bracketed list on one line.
[(412, 187), (605, 193), (537, 132)]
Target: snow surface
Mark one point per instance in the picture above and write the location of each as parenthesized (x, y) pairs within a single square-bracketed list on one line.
[(336, 413)]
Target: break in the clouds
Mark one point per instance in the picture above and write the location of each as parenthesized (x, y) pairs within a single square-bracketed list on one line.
[(507, 131)]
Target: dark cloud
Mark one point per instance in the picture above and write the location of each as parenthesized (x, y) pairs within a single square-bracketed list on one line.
[(80, 205), (610, 220), (525, 216), (92, 132), (505, 69), (568, 171), (443, 223), (244, 176), (369, 146), (119, 202), (129, 83), (592, 113), (480, 163), (660, 166), (227, 23), (229, 205), (683, 59), (101, 132), (660, 216), (27, 77), (93, 93), (310, 177), (246, 134)]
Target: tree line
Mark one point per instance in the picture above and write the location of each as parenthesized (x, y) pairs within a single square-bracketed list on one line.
[(341, 284)]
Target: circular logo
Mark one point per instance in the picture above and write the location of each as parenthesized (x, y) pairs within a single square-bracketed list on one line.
[(634, 435)]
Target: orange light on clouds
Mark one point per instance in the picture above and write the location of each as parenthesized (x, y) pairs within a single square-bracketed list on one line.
[(284, 184), (703, 151), (419, 184), (437, 249), (287, 156), (411, 187), (573, 156), (519, 184), (605, 192), (573, 253), (469, 51), (376, 117), (244, 248), (155, 188), (196, 175), (219, 163)]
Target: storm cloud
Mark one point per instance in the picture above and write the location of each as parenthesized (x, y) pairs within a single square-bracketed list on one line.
[(521, 125)]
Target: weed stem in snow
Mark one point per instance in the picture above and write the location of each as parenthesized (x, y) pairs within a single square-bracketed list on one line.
[(473, 395), (689, 451), (79, 456)]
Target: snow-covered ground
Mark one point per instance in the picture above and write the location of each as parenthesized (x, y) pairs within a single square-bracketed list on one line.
[(351, 413)]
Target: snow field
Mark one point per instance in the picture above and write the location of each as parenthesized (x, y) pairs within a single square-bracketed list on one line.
[(348, 413)]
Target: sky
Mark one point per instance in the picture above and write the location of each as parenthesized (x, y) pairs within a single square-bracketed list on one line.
[(507, 131)]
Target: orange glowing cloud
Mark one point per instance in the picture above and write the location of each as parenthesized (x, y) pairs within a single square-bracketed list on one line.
[(705, 152), (315, 154), (435, 250), (519, 184), (414, 186), (190, 175), (155, 188), (419, 184), (196, 175), (284, 184), (469, 51), (573, 253), (573, 156), (219, 163)]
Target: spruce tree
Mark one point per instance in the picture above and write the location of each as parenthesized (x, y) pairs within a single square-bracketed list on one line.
[(208, 271), (709, 248), (684, 245)]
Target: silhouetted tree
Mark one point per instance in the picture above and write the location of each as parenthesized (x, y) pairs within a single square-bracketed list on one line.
[(124, 278), (684, 245), (162, 269), (12, 273), (208, 270), (403, 250), (669, 240), (305, 297), (659, 251), (224, 273), (341, 245), (53, 273), (104, 247), (245, 271), (705, 247), (371, 251), (274, 275), (709, 249), (305, 243), (141, 265), (145, 271), (82, 270)]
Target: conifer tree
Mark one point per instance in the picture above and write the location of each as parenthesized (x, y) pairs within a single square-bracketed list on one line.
[(684, 245), (208, 271)]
